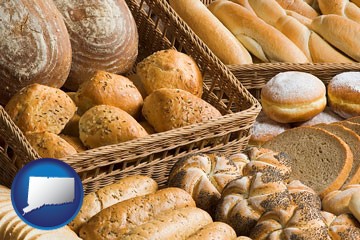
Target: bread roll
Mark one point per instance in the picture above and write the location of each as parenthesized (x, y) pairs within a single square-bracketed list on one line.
[(49, 145), (126, 188), (72, 126), (354, 205), (170, 69), (138, 84), (261, 39), (204, 177), (166, 109), (176, 225), (105, 125), (268, 10), (103, 36), (120, 218), (211, 31), (339, 31), (245, 4), (35, 46), (342, 227), (340, 7), (214, 231), (302, 195), (75, 142), (39, 108), (356, 2), (299, 6), (109, 89), (148, 128)]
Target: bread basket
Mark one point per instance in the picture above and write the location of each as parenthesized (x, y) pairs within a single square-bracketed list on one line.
[(154, 155)]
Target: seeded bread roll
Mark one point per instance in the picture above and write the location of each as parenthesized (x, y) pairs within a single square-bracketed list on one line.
[(39, 108), (166, 109), (170, 69), (121, 218), (126, 188), (105, 125), (49, 145), (109, 89), (302, 195), (214, 231)]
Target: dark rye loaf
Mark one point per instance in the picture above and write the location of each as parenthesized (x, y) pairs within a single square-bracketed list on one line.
[(319, 159)]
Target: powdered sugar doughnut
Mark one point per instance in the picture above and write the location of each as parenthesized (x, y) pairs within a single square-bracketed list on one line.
[(344, 94), (293, 97), (265, 129), (327, 116)]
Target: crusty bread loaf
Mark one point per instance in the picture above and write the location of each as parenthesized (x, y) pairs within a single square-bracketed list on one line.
[(166, 109), (105, 88), (126, 188), (300, 7), (339, 31), (214, 231), (340, 7), (211, 31), (35, 46), (320, 159), (103, 36), (353, 141), (175, 225), (120, 218), (105, 125), (38, 108), (354, 119), (204, 177), (170, 69), (261, 39), (355, 127)]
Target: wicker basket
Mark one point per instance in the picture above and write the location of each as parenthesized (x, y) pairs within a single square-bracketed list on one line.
[(158, 152)]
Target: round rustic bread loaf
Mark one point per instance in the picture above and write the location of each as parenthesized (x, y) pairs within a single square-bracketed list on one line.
[(103, 36), (39, 108), (35, 46), (105, 125)]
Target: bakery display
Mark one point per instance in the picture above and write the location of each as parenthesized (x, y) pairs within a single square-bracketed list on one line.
[(105, 125), (170, 69), (35, 46), (344, 94), (105, 88), (103, 36), (166, 109), (293, 97)]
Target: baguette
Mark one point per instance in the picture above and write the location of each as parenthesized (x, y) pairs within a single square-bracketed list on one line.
[(261, 39), (210, 30), (214, 231), (268, 10), (339, 31), (118, 219), (299, 6), (340, 7), (175, 225), (124, 189)]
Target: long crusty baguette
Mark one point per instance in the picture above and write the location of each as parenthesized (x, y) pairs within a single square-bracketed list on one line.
[(299, 6), (261, 39), (118, 219), (214, 34), (339, 31), (315, 47), (214, 231), (124, 189), (175, 225), (340, 7)]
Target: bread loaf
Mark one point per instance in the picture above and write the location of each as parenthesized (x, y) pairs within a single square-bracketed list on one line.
[(35, 46), (339, 31), (103, 36), (126, 188), (166, 109), (211, 31), (39, 108), (340, 7), (109, 89), (214, 231), (120, 218), (261, 39), (299, 6)]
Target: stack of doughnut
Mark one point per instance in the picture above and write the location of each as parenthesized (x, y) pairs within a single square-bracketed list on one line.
[(292, 99)]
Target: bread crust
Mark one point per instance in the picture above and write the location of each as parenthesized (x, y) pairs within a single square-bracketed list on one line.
[(214, 231), (300, 7), (340, 7)]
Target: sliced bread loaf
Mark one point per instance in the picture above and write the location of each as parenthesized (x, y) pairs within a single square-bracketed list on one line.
[(354, 119), (319, 159), (351, 139), (351, 125)]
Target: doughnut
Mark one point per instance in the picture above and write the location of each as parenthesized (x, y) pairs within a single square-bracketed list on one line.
[(344, 94), (293, 97), (326, 116), (264, 129)]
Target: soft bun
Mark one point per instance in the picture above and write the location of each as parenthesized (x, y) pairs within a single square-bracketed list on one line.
[(293, 97), (344, 94), (170, 69)]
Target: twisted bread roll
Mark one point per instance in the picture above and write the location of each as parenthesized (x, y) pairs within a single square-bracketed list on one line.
[(340, 7), (204, 177), (244, 200)]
